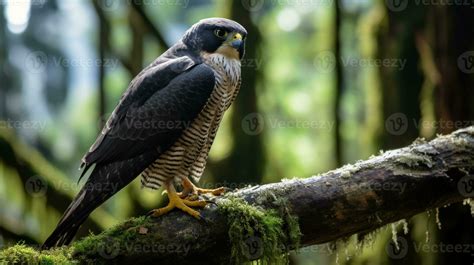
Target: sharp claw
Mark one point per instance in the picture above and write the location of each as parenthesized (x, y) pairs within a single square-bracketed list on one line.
[(192, 197), (213, 202), (202, 218), (226, 189), (150, 213)]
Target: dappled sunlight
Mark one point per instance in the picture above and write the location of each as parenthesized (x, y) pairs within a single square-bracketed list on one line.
[(17, 14)]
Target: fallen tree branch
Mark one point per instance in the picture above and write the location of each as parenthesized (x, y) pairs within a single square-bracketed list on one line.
[(354, 199)]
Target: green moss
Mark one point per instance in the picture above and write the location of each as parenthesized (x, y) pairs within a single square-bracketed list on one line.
[(109, 243), (22, 254), (291, 225), (258, 234)]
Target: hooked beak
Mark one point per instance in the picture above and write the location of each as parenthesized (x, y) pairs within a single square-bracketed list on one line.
[(233, 46), (236, 42)]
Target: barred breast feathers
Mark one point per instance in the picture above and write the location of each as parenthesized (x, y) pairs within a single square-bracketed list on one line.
[(188, 156)]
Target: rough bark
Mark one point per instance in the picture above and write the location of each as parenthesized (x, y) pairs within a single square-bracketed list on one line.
[(354, 199)]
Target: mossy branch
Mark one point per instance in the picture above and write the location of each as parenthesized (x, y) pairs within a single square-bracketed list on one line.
[(264, 221)]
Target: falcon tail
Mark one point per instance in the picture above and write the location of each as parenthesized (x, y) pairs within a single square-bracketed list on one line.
[(104, 181)]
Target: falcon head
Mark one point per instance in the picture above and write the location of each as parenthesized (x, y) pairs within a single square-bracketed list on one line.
[(217, 35)]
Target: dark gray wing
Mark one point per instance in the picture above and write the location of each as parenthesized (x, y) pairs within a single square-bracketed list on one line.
[(159, 104)]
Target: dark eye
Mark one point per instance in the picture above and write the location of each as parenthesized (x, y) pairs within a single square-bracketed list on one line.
[(220, 33)]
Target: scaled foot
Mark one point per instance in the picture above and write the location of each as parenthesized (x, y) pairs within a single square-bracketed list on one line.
[(176, 201), (191, 191)]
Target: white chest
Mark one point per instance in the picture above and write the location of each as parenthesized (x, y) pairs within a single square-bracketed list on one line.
[(227, 74)]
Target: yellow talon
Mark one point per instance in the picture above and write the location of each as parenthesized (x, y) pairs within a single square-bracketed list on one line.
[(190, 190), (195, 203), (176, 202)]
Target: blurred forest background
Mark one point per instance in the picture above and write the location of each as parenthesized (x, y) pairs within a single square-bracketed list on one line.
[(325, 83)]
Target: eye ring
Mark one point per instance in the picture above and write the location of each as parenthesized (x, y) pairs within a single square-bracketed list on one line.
[(220, 33)]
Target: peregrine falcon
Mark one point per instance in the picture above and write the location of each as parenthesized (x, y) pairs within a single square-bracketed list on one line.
[(164, 125)]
